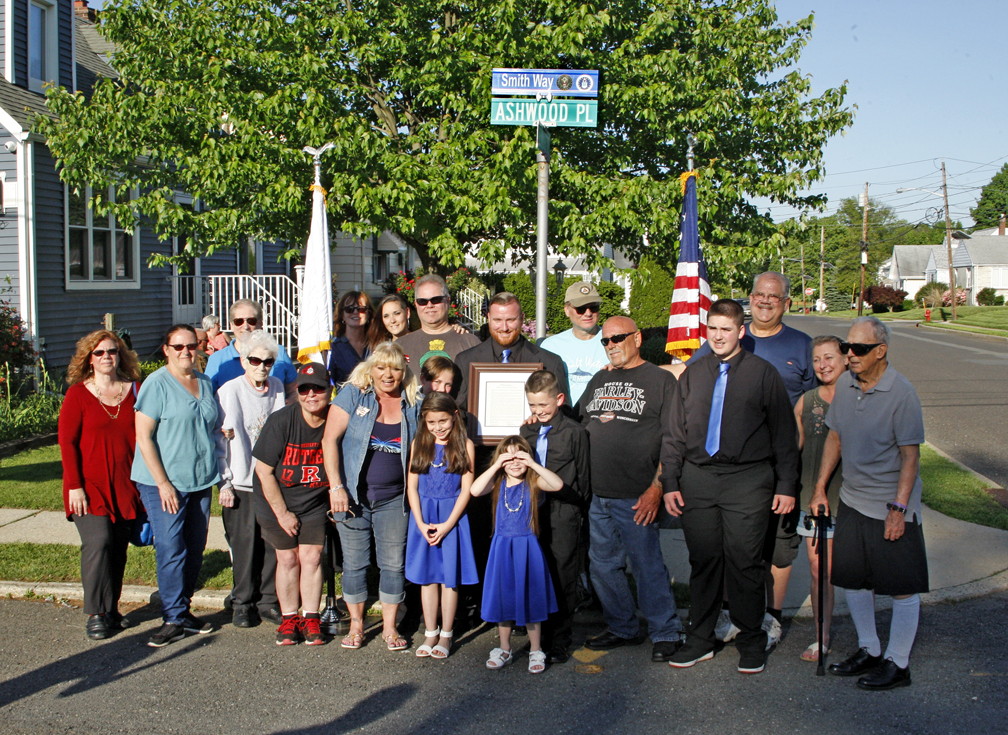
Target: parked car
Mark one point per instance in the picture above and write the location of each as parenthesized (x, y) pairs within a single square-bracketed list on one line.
[(744, 303)]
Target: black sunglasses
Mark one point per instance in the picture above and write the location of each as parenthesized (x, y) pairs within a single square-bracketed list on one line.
[(616, 338), (257, 361), (860, 349), (306, 389), (252, 321), (593, 308), (192, 347), (432, 300), (356, 309), (113, 351)]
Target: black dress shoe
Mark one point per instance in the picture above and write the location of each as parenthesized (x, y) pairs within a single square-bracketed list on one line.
[(97, 627), (557, 655), (271, 614), (117, 621), (609, 640), (663, 651), (241, 617), (860, 663), (886, 676)]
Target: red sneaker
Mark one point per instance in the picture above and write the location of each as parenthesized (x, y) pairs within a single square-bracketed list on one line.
[(289, 632), (311, 632)]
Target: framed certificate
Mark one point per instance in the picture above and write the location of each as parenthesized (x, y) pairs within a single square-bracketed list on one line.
[(497, 402)]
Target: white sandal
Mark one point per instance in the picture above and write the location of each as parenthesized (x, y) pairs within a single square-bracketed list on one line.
[(499, 658), (440, 651), (424, 650), (537, 662)]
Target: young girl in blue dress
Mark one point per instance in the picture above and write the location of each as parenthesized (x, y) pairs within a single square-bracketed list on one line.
[(439, 554), (517, 589)]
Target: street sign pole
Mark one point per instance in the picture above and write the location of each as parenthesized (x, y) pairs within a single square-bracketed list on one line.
[(542, 224)]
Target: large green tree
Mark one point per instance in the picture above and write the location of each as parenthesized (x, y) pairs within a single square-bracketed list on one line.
[(993, 201), (216, 98)]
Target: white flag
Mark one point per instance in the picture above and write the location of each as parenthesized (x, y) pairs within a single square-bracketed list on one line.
[(315, 314)]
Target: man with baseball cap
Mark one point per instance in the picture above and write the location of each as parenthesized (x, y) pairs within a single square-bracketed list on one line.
[(580, 347)]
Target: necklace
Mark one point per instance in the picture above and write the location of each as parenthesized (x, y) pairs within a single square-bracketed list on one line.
[(442, 462), (118, 400), (521, 498)]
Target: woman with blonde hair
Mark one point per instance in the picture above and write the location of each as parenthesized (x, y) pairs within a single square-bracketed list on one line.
[(97, 442), (371, 423)]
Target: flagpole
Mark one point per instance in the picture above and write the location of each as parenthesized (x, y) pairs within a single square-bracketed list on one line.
[(315, 307), (690, 142)]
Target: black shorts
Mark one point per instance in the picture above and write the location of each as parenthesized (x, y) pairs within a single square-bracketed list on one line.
[(864, 560), (311, 533), (782, 539)]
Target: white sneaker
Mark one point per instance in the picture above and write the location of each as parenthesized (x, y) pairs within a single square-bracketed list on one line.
[(725, 630), (773, 630)]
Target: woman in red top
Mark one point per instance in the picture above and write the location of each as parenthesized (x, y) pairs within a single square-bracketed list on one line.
[(97, 442)]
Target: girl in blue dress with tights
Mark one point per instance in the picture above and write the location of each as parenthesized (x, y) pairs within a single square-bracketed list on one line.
[(517, 589)]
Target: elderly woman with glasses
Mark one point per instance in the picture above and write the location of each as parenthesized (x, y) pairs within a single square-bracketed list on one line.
[(97, 441), (245, 404), (291, 503), (372, 422), (174, 469), (350, 335)]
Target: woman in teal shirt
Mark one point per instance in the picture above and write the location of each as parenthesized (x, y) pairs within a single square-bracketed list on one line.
[(174, 468)]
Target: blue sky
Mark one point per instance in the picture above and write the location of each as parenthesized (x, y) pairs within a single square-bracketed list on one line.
[(928, 79)]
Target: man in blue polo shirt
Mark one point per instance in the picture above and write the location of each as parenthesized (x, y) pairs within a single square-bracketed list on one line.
[(223, 365)]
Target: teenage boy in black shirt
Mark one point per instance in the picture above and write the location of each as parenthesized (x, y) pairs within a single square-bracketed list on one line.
[(565, 443), (735, 459)]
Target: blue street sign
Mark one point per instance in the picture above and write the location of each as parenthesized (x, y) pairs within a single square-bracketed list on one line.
[(556, 82)]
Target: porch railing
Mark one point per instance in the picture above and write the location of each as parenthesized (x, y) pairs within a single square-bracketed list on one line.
[(278, 295), (470, 305)]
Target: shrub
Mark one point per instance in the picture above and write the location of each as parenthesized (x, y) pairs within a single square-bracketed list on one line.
[(883, 298), (930, 294), (651, 294), (960, 297), (520, 284), (16, 350), (27, 406), (653, 341), (988, 297), (836, 300)]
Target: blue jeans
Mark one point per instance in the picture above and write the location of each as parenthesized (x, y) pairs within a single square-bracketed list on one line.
[(615, 539), (387, 523), (179, 540)]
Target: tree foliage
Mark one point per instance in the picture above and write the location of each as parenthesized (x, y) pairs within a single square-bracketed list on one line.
[(216, 98), (993, 201)]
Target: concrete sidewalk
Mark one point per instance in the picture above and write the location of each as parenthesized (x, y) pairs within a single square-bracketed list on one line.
[(965, 560)]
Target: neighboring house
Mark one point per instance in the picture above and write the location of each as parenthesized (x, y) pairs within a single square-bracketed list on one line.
[(907, 267), (981, 261)]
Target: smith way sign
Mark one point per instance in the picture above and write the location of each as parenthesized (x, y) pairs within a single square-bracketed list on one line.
[(563, 113)]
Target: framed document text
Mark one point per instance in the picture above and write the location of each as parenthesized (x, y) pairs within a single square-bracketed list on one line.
[(497, 404)]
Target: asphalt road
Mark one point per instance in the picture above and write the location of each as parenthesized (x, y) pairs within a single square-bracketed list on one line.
[(238, 681), (962, 381)]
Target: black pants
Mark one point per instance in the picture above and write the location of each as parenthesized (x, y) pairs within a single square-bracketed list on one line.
[(253, 561), (103, 560), (725, 521), (560, 536)]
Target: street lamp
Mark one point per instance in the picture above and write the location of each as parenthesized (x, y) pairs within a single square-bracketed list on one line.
[(559, 268), (948, 234)]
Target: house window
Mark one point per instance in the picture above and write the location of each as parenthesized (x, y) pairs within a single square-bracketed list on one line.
[(100, 252), (42, 44), (999, 277)]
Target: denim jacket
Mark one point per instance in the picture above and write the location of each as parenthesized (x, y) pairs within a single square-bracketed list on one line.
[(362, 407)]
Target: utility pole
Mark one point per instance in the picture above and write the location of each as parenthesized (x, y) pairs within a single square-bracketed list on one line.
[(822, 262), (948, 244), (864, 247), (804, 296)]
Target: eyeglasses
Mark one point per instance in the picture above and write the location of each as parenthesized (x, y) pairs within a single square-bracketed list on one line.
[(257, 361), (252, 321), (192, 347), (306, 389), (111, 351), (432, 300), (860, 349), (593, 308), (616, 338), (356, 309), (771, 297)]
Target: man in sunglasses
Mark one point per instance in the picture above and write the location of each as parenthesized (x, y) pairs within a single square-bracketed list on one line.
[(580, 347), (627, 412), (223, 365), (431, 301), (876, 428)]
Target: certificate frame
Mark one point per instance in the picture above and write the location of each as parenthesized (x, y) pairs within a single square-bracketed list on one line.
[(492, 389)]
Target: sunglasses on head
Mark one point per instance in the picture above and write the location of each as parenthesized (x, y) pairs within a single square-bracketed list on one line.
[(113, 351), (860, 349), (356, 309), (306, 389), (432, 300), (616, 338), (252, 321), (192, 347), (593, 308), (257, 361)]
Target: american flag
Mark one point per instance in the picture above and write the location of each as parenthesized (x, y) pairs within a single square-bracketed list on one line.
[(691, 296)]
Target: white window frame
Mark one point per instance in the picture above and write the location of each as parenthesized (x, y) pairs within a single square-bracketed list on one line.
[(90, 283), (50, 39)]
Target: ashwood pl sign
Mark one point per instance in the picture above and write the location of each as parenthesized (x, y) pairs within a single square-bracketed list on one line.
[(524, 111)]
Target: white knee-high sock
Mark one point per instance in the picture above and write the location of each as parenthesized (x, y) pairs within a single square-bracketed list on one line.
[(903, 629), (861, 604)]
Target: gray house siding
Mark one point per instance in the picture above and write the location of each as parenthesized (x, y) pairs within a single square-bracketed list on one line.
[(19, 47), (9, 284), (3, 32), (270, 265)]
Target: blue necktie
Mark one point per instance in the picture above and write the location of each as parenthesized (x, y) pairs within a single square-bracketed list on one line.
[(506, 356), (541, 444), (716, 408)]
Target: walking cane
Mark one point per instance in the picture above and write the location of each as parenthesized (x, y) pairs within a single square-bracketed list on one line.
[(822, 524), (330, 619)]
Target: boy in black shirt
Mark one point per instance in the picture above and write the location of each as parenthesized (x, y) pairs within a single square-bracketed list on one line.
[(565, 445)]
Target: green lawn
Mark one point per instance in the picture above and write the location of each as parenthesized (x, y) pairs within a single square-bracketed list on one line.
[(981, 319), (959, 494)]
